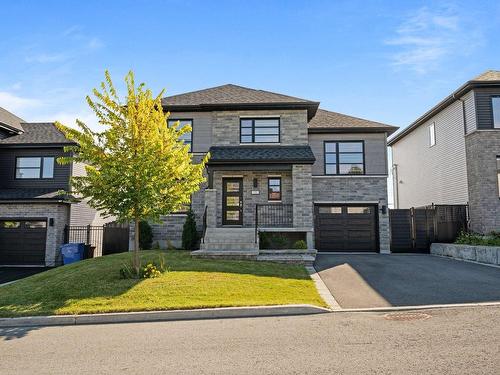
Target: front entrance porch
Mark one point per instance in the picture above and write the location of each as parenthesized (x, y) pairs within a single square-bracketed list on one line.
[(245, 199)]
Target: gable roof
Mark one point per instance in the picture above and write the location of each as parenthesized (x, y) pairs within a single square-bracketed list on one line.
[(235, 97), (328, 121), (261, 154), (43, 133), (489, 78), (10, 121)]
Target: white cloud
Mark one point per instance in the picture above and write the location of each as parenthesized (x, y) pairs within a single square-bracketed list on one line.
[(428, 36), (69, 118), (14, 103)]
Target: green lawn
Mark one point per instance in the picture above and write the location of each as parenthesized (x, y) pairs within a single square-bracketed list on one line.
[(94, 286)]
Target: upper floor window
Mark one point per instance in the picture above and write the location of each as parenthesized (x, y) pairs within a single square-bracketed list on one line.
[(35, 167), (260, 130), (186, 137), (495, 107), (432, 134), (344, 157)]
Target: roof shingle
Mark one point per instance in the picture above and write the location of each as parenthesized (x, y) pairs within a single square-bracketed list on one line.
[(261, 154), (333, 120), (37, 134)]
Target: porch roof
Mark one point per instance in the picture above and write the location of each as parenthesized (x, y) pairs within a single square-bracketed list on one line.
[(261, 154)]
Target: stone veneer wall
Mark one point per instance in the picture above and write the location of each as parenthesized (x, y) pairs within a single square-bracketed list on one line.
[(166, 233), (249, 199), (302, 196), (226, 126), (356, 189), (55, 234), (482, 148)]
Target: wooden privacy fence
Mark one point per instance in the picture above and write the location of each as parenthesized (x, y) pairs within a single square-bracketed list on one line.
[(414, 229), (106, 239)]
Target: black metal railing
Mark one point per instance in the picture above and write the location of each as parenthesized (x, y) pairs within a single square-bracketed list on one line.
[(204, 227), (87, 234), (274, 215)]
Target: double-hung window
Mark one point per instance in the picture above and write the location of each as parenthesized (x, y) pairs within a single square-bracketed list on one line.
[(344, 158), (186, 137), (495, 108), (259, 130), (35, 167), (274, 188)]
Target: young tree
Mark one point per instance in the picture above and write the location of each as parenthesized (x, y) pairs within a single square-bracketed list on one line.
[(137, 167)]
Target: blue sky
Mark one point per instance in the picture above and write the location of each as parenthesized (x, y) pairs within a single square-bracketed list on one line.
[(388, 61)]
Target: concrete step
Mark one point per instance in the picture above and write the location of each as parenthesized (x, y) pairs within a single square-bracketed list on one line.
[(307, 260), (229, 235), (311, 252), (237, 246)]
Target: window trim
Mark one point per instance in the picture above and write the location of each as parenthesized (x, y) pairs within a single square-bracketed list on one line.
[(493, 113), (253, 130), (432, 134), (337, 158), (40, 175), (192, 129), (269, 190)]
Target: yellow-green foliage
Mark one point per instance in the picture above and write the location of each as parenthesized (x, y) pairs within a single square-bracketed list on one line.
[(137, 166)]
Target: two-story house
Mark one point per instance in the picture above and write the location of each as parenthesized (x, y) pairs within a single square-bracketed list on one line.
[(280, 164), (451, 154), (33, 212)]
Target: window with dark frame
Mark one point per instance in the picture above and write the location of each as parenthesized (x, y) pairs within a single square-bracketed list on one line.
[(186, 137), (35, 167), (344, 158), (259, 130), (495, 108), (274, 188)]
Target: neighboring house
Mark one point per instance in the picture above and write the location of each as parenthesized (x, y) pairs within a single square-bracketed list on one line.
[(282, 164), (451, 154), (33, 212)]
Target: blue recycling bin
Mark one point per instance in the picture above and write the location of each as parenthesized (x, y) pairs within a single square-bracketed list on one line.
[(72, 252)]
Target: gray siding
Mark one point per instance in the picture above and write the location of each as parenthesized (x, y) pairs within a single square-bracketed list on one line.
[(375, 151), (483, 106), (435, 174), (202, 128), (8, 167)]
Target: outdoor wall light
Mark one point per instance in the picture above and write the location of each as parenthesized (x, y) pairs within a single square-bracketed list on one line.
[(255, 182)]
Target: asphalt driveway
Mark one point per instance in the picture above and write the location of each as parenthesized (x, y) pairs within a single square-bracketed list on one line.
[(8, 274), (374, 280)]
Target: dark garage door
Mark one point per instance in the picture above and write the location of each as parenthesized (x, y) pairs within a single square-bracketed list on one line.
[(23, 241), (346, 228)]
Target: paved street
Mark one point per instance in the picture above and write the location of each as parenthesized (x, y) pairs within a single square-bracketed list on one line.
[(450, 341), (359, 281)]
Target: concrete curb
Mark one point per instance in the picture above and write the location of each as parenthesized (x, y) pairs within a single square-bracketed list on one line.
[(466, 260), (323, 290), (416, 307), (170, 315)]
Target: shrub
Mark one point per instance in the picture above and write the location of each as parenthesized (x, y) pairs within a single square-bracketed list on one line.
[(279, 241), (264, 241), (471, 238), (189, 233), (150, 271), (145, 235), (300, 245)]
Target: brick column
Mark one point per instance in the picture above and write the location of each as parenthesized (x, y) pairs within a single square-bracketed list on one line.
[(302, 196), (211, 204)]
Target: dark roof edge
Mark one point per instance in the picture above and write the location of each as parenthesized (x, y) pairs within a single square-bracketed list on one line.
[(35, 200), (381, 129), (36, 145), (263, 161), (311, 107), (461, 91), (10, 128)]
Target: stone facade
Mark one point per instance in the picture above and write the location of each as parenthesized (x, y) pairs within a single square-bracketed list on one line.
[(60, 212), (167, 233), (480, 254), (356, 190), (482, 149), (302, 196), (226, 126), (249, 198)]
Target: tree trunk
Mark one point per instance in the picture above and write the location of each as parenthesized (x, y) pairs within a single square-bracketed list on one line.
[(135, 261)]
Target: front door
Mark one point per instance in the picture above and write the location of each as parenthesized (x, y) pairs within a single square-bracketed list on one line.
[(232, 201)]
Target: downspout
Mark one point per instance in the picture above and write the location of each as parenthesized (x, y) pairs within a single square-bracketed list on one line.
[(395, 185), (464, 119)]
